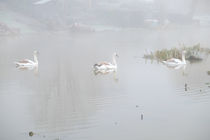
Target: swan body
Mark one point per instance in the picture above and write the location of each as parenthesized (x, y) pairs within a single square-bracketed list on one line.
[(107, 66), (173, 62), (104, 66), (176, 67), (26, 63), (104, 71)]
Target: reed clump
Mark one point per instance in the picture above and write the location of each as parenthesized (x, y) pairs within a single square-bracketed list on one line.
[(194, 52)]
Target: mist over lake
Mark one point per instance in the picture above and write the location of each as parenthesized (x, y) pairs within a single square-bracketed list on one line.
[(99, 70)]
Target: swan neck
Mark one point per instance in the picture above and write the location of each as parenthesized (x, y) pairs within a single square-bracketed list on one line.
[(183, 58), (35, 58), (114, 60)]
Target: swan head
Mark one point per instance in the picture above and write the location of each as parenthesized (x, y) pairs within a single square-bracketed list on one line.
[(184, 52), (36, 52), (115, 54)]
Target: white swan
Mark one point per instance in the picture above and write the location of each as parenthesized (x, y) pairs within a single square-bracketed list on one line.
[(173, 62), (26, 63), (107, 66)]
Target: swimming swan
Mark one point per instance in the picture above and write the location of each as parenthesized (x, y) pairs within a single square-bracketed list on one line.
[(175, 62), (103, 66), (26, 63)]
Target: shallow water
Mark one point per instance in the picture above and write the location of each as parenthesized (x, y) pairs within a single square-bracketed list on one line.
[(64, 100)]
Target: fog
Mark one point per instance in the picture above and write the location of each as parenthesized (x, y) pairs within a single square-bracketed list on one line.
[(153, 82), (59, 14)]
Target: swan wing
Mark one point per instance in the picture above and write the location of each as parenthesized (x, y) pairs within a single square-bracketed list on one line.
[(24, 61), (173, 60), (102, 64)]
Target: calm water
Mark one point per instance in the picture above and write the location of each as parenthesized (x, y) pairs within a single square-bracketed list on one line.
[(64, 100)]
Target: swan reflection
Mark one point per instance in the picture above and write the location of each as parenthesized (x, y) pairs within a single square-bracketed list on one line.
[(32, 68), (106, 72)]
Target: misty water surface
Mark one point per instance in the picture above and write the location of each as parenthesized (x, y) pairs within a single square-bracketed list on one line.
[(65, 100)]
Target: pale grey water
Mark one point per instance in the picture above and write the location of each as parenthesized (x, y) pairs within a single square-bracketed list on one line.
[(65, 100)]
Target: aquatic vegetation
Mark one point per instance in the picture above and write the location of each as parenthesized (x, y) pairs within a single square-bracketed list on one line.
[(193, 53), (79, 27), (5, 30)]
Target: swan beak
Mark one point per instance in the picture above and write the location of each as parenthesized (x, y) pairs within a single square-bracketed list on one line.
[(37, 52)]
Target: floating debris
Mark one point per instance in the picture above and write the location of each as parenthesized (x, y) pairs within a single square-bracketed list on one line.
[(30, 133), (194, 53), (185, 87), (142, 117)]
